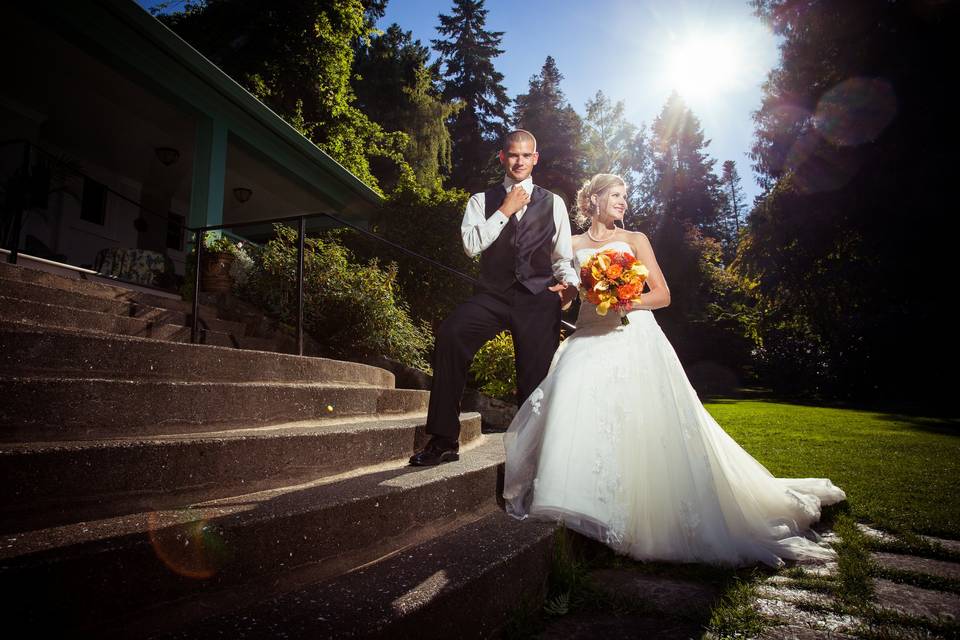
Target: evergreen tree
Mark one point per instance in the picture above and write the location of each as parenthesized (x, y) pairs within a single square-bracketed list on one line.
[(851, 241), (395, 88), (701, 320), (466, 51), (608, 137), (642, 195), (736, 204), (545, 112), (687, 189)]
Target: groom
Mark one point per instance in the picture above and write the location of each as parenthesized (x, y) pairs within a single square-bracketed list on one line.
[(522, 234)]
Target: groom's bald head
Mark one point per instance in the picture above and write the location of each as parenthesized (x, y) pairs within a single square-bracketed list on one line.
[(518, 135)]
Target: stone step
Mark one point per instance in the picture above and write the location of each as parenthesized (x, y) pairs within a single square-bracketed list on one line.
[(85, 575), (99, 289), (54, 408), (39, 293), (462, 584), (57, 315), (47, 484), (230, 340), (27, 350)]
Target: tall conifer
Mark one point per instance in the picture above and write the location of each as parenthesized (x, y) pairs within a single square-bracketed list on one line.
[(466, 51), (545, 112)]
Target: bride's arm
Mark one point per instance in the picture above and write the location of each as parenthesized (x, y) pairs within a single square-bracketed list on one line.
[(659, 294)]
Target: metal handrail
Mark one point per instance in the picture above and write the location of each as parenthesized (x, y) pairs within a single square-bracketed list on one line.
[(301, 221)]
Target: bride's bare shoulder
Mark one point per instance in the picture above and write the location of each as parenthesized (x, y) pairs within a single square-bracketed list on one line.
[(578, 240)]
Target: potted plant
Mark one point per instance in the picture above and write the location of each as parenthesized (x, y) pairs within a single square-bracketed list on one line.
[(219, 252)]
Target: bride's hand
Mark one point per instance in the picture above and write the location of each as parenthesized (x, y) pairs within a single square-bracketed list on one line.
[(566, 293)]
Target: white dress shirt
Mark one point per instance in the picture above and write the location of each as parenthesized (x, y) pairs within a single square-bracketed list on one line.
[(479, 232)]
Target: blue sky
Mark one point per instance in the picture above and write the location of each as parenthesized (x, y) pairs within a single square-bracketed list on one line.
[(629, 49), (717, 53)]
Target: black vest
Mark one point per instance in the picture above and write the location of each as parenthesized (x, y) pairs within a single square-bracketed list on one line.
[(523, 250)]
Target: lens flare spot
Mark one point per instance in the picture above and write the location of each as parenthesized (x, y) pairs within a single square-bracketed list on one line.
[(193, 549), (818, 167), (855, 111)]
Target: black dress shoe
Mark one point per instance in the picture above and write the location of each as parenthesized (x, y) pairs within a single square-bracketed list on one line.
[(437, 450)]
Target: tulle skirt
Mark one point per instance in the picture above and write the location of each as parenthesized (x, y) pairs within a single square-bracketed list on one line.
[(616, 444)]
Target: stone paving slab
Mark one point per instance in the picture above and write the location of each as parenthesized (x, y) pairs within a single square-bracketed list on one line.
[(901, 562), (790, 614), (796, 632), (794, 595), (950, 545), (914, 601), (664, 594), (870, 532), (602, 625), (823, 571)]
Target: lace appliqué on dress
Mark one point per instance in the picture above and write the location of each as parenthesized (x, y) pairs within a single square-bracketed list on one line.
[(609, 484), (535, 398), (689, 519)]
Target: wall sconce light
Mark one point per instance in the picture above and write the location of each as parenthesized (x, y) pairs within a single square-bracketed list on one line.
[(167, 155), (242, 194)]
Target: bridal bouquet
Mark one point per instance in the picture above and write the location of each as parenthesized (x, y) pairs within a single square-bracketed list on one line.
[(612, 279)]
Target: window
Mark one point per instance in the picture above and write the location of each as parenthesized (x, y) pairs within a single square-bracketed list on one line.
[(175, 224), (93, 206)]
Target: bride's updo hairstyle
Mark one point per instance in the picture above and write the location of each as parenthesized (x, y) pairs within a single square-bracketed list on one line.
[(595, 186)]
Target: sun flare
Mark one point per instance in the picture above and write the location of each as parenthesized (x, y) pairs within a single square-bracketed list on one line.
[(703, 66)]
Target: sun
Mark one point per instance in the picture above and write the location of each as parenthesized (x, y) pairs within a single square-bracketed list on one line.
[(703, 66)]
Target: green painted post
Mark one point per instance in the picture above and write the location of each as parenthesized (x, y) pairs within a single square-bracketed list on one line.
[(209, 173)]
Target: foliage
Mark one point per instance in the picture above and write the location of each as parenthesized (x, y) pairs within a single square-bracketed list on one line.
[(215, 242), (494, 368), (850, 242), (642, 184), (427, 222), (710, 314), (297, 58), (396, 88), (608, 136), (686, 187), (734, 208), (350, 309), (736, 615), (545, 112), (853, 563), (466, 51)]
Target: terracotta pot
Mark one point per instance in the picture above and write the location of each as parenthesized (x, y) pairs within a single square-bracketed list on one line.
[(215, 276)]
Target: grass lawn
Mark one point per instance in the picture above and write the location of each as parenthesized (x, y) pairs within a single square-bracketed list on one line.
[(900, 472)]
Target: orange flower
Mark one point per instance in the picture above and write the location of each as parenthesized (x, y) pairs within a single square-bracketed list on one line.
[(626, 292), (613, 271), (593, 297)]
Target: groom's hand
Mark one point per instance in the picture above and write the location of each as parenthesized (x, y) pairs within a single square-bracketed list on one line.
[(516, 199), (566, 293)]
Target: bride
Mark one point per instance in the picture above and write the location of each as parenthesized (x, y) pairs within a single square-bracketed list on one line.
[(616, 444)]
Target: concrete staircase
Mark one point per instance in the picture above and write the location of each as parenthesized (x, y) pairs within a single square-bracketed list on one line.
[(153, 487)]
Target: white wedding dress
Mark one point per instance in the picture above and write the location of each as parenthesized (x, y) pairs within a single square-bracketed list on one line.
[(616, 444)]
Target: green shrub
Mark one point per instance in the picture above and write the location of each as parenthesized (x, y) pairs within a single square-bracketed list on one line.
[(220, 243), (427, 222), (494, 370), (349, 308)]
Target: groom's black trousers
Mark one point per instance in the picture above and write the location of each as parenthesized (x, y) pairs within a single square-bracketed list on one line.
[(534, 322)]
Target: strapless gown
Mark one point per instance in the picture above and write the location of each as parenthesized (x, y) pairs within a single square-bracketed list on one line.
[(616, 445)]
